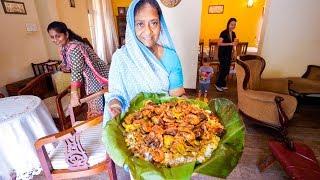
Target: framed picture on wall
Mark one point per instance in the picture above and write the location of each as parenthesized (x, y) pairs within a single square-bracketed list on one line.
[(13, 7), (121, 11), (215, 9), (72, 3)]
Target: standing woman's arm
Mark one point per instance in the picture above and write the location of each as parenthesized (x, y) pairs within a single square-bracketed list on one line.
[(77, 65)]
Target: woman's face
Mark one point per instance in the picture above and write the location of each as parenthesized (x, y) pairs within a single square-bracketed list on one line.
[(232, 25), (59, 39), (147, 25)]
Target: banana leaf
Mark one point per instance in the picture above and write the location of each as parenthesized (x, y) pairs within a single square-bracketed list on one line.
[(220, 164)]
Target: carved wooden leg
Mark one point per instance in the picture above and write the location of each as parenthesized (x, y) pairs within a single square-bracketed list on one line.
[(45, 162), (13, 175), (266, 163), (111, 169)]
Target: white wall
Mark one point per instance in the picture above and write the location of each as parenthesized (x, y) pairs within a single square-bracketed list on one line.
[(47, 12), (290, 37), (183, 22)]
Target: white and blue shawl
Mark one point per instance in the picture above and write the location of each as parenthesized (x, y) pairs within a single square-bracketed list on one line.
[(135, 69)]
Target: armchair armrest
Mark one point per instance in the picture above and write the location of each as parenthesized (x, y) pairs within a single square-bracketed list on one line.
[(278, 85)]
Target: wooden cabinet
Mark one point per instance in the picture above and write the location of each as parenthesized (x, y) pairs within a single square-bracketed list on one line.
[(122, 23)]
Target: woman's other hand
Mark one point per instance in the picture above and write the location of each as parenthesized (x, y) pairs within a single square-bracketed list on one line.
[(114, 108), (74, 100), (179, 92)]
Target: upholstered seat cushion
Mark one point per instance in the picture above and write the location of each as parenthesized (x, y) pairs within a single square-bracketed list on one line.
[(298, 164), (52, 106), (91, 141), (305, 86)]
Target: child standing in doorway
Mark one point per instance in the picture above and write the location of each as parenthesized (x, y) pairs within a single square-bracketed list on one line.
[(205, 75)]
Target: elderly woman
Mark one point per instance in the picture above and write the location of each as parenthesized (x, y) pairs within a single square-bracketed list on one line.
[(147, 62)]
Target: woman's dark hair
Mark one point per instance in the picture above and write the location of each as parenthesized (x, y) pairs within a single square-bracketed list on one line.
[(61, 27), (153, 3), (230, 20)]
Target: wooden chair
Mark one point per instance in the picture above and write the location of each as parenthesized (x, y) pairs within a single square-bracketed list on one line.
[(45, 67), (241, 50), (200, 55), (1, 95), (263, 105), (80, 151), (53, 89), (213, 54)]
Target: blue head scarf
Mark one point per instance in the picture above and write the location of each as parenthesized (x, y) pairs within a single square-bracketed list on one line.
[(134, 68)]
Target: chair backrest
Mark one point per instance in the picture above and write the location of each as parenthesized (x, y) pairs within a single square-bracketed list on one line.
[(61, 81), (40, 86), (200, 53), (242, 48), (256, 65), (243, 75), (313, 72), (213, 50), (44, 67)]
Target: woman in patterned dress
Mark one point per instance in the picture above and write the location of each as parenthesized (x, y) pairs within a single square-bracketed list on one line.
[(85, 66), (148, 61)]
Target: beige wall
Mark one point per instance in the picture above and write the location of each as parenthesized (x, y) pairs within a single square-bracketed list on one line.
[(19, 48), (47, 12), (183, 22), (290, 37), (75, 18)]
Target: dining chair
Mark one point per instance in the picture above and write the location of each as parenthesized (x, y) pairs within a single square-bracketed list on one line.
[(241, 50), (213, 54), (45, 67), (200, 54), (80, 151)]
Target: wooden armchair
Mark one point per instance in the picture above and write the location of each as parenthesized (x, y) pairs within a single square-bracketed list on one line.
[(80, 151), (308, 84), (53, 89), (262, 106)]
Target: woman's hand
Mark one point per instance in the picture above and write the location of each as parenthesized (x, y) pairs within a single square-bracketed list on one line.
[(114, 108), (74, 100), (63, 68), (234, 55), (179, 92)]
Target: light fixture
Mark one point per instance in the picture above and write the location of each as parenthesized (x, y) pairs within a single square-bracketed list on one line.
[(250, 4)]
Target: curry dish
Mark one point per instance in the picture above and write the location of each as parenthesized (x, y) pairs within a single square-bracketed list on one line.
[(172, 133)]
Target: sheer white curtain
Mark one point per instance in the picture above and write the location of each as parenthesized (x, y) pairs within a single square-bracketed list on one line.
[(102, 25)]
